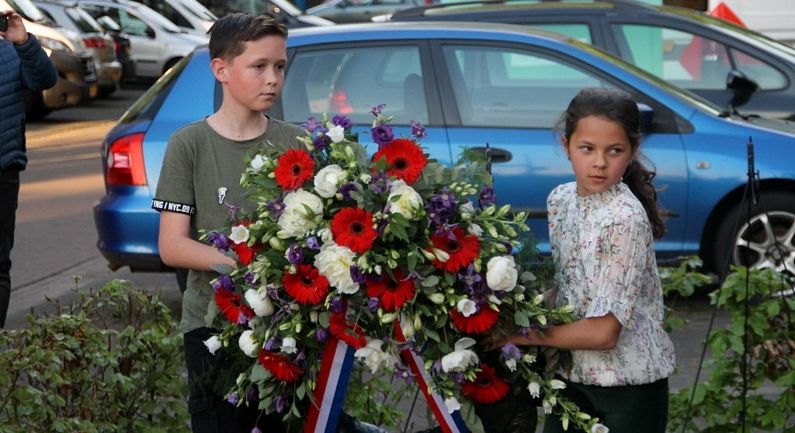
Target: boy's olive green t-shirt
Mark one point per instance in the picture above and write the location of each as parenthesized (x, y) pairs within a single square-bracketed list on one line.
[(200, 177)]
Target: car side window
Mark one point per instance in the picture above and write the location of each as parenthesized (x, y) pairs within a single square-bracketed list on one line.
[(505, 87), (351, 80), (131, 24), (168, 11), (692, 61), (581, 32)]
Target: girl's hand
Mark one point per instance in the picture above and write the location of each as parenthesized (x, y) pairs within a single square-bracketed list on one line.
[(496, 341), (16, 32)]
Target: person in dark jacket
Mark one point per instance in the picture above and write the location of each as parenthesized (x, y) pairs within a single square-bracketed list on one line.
[(23, 64)]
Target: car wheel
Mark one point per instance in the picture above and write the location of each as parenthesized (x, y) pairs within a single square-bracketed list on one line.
[(765, 240), (106, 91), (182, 279)]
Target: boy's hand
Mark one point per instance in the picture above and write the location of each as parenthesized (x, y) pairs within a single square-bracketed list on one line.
[(16, 32)]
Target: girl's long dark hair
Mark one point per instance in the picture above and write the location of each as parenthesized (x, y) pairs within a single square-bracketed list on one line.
[(620, 107)]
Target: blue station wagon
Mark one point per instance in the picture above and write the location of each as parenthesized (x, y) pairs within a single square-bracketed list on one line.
[(474, 85)]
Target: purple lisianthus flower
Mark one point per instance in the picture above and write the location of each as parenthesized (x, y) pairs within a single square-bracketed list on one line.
[(249, 277), (417, 129), (219, 241), (383, 135), (223, 282), (252, 396), (233, 398), (357, 275), (256, 430), (459, 378), (472, 280), (321, 141), (278, 404), (376, 110), (437, 366), (271, 344), (379, 183), (311, 124), (321, 335), (441, 207), (295, 254), (373, 304), (341, 120), (313, 243), (336, 305), (510, 351), (404, 374), (347, 189), (487, 196), (276, 207)]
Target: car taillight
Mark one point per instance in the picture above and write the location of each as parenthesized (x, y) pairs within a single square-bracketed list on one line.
[(126, 161), (94, 42), (339, 100)]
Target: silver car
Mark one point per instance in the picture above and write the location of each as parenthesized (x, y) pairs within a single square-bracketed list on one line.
[(156, 44)]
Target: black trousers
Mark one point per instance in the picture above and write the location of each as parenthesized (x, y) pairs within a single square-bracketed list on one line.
[(209, 410), (9, 199), (622, 409)]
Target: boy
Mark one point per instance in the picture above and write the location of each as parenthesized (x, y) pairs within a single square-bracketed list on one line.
[(201, 172)]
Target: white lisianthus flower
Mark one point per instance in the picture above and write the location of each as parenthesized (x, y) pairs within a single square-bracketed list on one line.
[(599, 428), (334, 262), (257, 163), (374, 357), (365, 178), (259, 302), (452, 404), (336, 133), (467, 208), (289, 345), (461, 358), (547, 407), (535, 389), (302, 213), (475, 229), (511, 364), (239, 234), (327, 180), (325, 236), (408, 200), (248, 344), (213, 344), (557, 384), (467, 307), (501, 274)]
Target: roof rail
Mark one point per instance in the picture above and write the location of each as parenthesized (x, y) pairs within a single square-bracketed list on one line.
[(419, 11)]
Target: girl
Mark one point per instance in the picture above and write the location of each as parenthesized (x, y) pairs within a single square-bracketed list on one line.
[(601, 228)]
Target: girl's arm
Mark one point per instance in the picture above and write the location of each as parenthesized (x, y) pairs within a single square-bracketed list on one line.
[(177, 249), (592, 333)]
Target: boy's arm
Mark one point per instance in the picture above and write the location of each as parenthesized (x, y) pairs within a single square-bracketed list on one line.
[(178, 250)]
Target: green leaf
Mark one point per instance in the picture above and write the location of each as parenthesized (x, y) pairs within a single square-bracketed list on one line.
[(521, 319), (259, 373), (471, 418)]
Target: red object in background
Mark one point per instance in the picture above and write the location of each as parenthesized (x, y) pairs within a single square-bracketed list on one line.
[(724, 12)]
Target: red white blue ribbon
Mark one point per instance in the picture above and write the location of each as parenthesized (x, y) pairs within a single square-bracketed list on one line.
[(332, 381)]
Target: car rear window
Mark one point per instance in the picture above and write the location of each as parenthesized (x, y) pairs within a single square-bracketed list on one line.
[(147, 106)]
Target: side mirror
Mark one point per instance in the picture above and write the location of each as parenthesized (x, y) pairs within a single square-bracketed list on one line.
[(108, 24), (741, 86), (646, 118)]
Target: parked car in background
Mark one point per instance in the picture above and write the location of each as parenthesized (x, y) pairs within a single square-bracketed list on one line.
[(282, 10), (354, 11), (156, 44), (76, 83), (471, 85), (190, 15), (681, 46), (69, 15)]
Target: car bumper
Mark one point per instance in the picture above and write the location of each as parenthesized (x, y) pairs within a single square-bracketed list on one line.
[(127, 229), (71, 88)]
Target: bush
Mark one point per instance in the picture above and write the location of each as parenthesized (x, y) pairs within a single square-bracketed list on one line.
[(109, 362)]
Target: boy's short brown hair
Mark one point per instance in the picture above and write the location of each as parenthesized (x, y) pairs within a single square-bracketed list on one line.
[(230, 31)]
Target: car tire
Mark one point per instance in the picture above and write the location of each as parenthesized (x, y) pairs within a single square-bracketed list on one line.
[(182, 279), (765, 240), (106, 91)]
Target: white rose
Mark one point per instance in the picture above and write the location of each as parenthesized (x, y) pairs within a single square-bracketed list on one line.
[(452, 404), (557, 384), (289, 345), (599, 428), (467, 307), (535, 389), (336, 134), (247, 344), (213, 344), (239, 234), (501, 274), (407, 201), (259, 302), (334, 262), (373, 356), (257, 163), (327, 180), (297, 220), (461, 358)]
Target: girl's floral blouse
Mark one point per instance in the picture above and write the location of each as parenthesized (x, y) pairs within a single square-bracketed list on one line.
[(605, 263)]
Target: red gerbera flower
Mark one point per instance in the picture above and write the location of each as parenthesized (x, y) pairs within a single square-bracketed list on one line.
[(405, 158), (306, 286), (353, 227), (392, 294), (294, 168), (462, 249), (352, 335), (229, 304), (478, 323), (487, 388), (246, 253), (281, 367)]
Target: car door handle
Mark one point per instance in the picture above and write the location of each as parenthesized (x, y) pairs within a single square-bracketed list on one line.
[(497, 154)]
